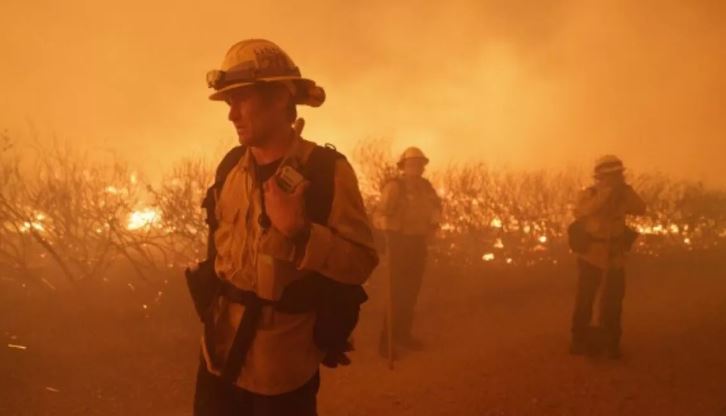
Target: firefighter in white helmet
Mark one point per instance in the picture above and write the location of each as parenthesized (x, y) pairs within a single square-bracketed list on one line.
[(600, 238), (287, 221), (410, 210)]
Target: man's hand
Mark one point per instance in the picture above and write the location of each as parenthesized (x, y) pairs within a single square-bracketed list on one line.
[(286, 210)]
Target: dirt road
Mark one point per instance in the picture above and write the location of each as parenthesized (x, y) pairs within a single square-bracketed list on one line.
[(496, 345)]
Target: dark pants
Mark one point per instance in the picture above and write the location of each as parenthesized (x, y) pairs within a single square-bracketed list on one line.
[(214, 397), (407, 256), (611, 302)]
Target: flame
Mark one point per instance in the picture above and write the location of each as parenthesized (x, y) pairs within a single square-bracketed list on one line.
[(34, 224), (144, 218), (447, 227), (112, 190), (496, 223), (488, 257), (657, 229)]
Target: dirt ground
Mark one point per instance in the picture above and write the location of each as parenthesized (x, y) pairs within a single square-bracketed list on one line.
[(496, 345)]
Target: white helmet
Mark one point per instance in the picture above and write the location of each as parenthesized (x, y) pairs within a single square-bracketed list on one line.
[(608, 164), (257, 60), (412, 153)]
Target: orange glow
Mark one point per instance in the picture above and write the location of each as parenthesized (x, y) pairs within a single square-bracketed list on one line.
[(522, 89), (144, 218)]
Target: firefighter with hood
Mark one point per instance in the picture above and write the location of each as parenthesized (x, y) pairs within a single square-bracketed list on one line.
[(601, 239), (410, 212), (289, 247)]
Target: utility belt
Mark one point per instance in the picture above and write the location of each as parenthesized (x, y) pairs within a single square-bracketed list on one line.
[(336, 305)]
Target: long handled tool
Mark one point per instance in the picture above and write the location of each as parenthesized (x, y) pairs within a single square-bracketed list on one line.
[(389, 320)]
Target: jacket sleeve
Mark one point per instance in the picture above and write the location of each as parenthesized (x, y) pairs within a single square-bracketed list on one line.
[(389, 198), (343, 250), (438, 206), (634, 204)]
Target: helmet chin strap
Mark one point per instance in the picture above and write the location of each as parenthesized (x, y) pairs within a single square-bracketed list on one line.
[(298, 126)]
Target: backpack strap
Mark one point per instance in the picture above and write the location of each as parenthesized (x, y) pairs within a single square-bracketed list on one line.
[(229, 161), (320, 171)]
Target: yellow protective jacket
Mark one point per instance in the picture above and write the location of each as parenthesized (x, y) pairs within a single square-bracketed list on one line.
[(603, 217), (283, 355), (410, 205)]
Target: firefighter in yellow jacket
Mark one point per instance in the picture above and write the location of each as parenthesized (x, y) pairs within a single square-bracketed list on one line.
[(600, 213), (410, 211), (265, 242)]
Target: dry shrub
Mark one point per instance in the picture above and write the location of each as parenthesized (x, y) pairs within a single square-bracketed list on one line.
[(502, 216), (375, 166), (520, 217), (83, 216), (75, 213), (178, 200), (681, 215), (17, 247)]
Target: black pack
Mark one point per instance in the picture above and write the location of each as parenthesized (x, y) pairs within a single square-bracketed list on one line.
[(580, 240)]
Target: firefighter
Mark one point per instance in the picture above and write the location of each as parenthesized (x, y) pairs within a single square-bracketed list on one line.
[(283, 211), (604, 240), (410, 212)]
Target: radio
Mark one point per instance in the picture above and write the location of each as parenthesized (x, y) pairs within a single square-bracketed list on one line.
[(288, 179)]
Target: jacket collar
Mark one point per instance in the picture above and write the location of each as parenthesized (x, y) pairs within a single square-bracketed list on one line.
[(294, 156)]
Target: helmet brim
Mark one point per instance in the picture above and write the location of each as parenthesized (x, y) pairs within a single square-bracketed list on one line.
[(402, 161), (301, 99), (609, 171)]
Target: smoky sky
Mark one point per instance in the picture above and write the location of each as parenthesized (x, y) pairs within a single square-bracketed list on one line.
[(525, 84)]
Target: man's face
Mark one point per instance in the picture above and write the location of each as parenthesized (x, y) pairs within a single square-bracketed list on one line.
[(414, 167), (612, 179), (253, 114)]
